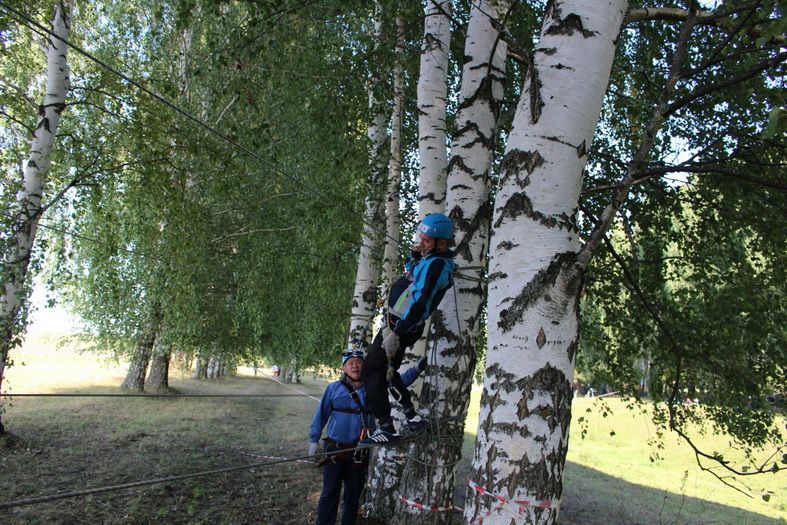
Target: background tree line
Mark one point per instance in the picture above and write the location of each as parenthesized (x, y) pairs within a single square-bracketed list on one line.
[(231, 234)]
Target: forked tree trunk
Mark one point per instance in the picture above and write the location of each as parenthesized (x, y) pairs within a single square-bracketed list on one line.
[(18, 247), (368, 273), (429, 473), (534, 278), (387, 462), (135, 377)]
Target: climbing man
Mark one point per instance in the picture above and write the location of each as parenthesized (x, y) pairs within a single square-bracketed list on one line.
[(412, 299), (343, 408)]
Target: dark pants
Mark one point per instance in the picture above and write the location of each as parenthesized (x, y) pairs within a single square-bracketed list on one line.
[(373, 376), (345, 471)]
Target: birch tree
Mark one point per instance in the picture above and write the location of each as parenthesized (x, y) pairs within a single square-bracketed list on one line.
[(20, 241), (392, 221), (534, 279), (432, 93), (368, 273), (429, 476)]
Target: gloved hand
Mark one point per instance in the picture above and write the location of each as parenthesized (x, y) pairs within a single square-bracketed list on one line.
[(391, 345), (422, 364), (313, 447), (390, 372)]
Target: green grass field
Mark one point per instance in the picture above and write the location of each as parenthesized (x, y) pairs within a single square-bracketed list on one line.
[(73, 443)]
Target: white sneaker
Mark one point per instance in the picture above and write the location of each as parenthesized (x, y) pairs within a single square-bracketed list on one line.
[(380, 436)]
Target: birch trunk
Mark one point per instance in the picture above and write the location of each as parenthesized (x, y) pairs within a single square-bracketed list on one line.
[(534, 278), (386, 464), (135, 377), (368, 273), (19, 248), (201, 367), (432, 90), (158, 377), (446, 391), (391, 252)]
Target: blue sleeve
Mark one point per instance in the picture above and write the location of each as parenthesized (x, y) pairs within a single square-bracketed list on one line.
[(321, 415), (409, 377), (423, 292)]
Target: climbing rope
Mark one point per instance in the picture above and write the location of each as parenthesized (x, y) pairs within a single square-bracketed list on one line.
[(156, 396), (181, 477)]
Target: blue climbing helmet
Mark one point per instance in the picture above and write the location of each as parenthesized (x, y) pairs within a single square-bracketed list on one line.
[(348, 354), (437, 225)]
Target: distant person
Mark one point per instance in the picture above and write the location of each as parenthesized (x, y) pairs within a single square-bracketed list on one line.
[(343, 408), (276, 371), (412, 299)]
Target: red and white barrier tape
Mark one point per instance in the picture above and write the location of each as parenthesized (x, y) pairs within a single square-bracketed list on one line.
[(253, 455), (520, 503), (428, 508)]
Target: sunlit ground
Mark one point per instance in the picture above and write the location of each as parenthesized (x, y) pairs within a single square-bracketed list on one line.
[(626, 455), (605, 472)]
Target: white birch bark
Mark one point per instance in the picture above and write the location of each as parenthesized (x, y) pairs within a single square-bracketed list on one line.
[(368, 273), (392, 222), (386, 463), (18, 252), (431, 94), (455, 324), (432, 90), (534, 278)]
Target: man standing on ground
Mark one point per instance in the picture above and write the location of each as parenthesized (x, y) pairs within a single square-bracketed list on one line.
[(343, 409), (412, 299)]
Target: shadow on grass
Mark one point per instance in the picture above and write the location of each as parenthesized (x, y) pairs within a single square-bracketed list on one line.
[(592, 497)]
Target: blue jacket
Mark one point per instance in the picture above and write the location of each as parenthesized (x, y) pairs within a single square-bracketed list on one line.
[(342, 414), (416, 294)]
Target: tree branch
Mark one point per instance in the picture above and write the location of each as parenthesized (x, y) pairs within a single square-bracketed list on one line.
[(710, 88), (635, 166)]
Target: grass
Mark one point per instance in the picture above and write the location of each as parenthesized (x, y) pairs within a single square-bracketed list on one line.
[(72, 443)]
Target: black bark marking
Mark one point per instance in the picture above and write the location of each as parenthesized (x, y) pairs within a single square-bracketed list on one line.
[(515, 162), (484, 93), (440, 329), (487, 142), (582, 150), (533, 290), (534, 90), (553, 382), (517, 204), (370, 295), (549, 51), (520, 204), (521, 408), (458, 162), (568, 25), (470, 227), (497, 275), (504, 380), (506, 245), (541, 338), (512, 429), (430, 196)]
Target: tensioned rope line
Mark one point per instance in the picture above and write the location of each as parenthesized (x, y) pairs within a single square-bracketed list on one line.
[(35, 25), (181, 477), (158, 396)]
